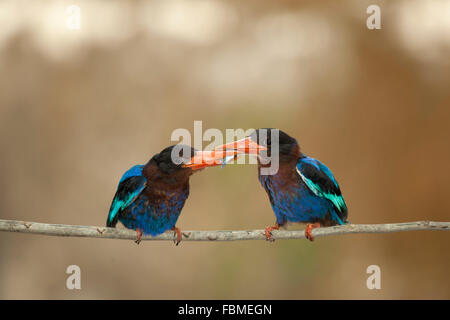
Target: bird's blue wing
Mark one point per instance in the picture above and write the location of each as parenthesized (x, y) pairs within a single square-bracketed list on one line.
[(322, 183), (130, 186)]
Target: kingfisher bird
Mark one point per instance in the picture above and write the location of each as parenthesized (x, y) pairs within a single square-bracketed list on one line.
[(302, 190), (150, 197)]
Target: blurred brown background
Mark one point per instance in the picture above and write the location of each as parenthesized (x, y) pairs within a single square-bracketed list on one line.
[(79, 107)]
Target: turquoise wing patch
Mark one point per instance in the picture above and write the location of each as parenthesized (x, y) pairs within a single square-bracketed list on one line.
[(321, 182), (127, 191)]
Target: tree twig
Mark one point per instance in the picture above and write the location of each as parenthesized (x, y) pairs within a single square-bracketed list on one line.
[(62, 230)]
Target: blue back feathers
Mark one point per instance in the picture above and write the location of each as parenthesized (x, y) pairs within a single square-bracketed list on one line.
[(322, 183), (130, 186), (132, 172)]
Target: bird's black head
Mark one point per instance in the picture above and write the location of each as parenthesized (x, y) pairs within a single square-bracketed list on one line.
[(183, 158), (267, 137), (173, 158)]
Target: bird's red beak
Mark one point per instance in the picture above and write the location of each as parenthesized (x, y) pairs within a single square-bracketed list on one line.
[(246, 145), (204, 159)]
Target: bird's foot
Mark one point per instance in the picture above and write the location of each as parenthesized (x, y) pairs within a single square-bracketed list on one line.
[(138, 236), (309, 228), (269, 230), (178, 234)]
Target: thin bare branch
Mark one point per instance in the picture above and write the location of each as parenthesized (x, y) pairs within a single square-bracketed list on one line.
[(62, 230)]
